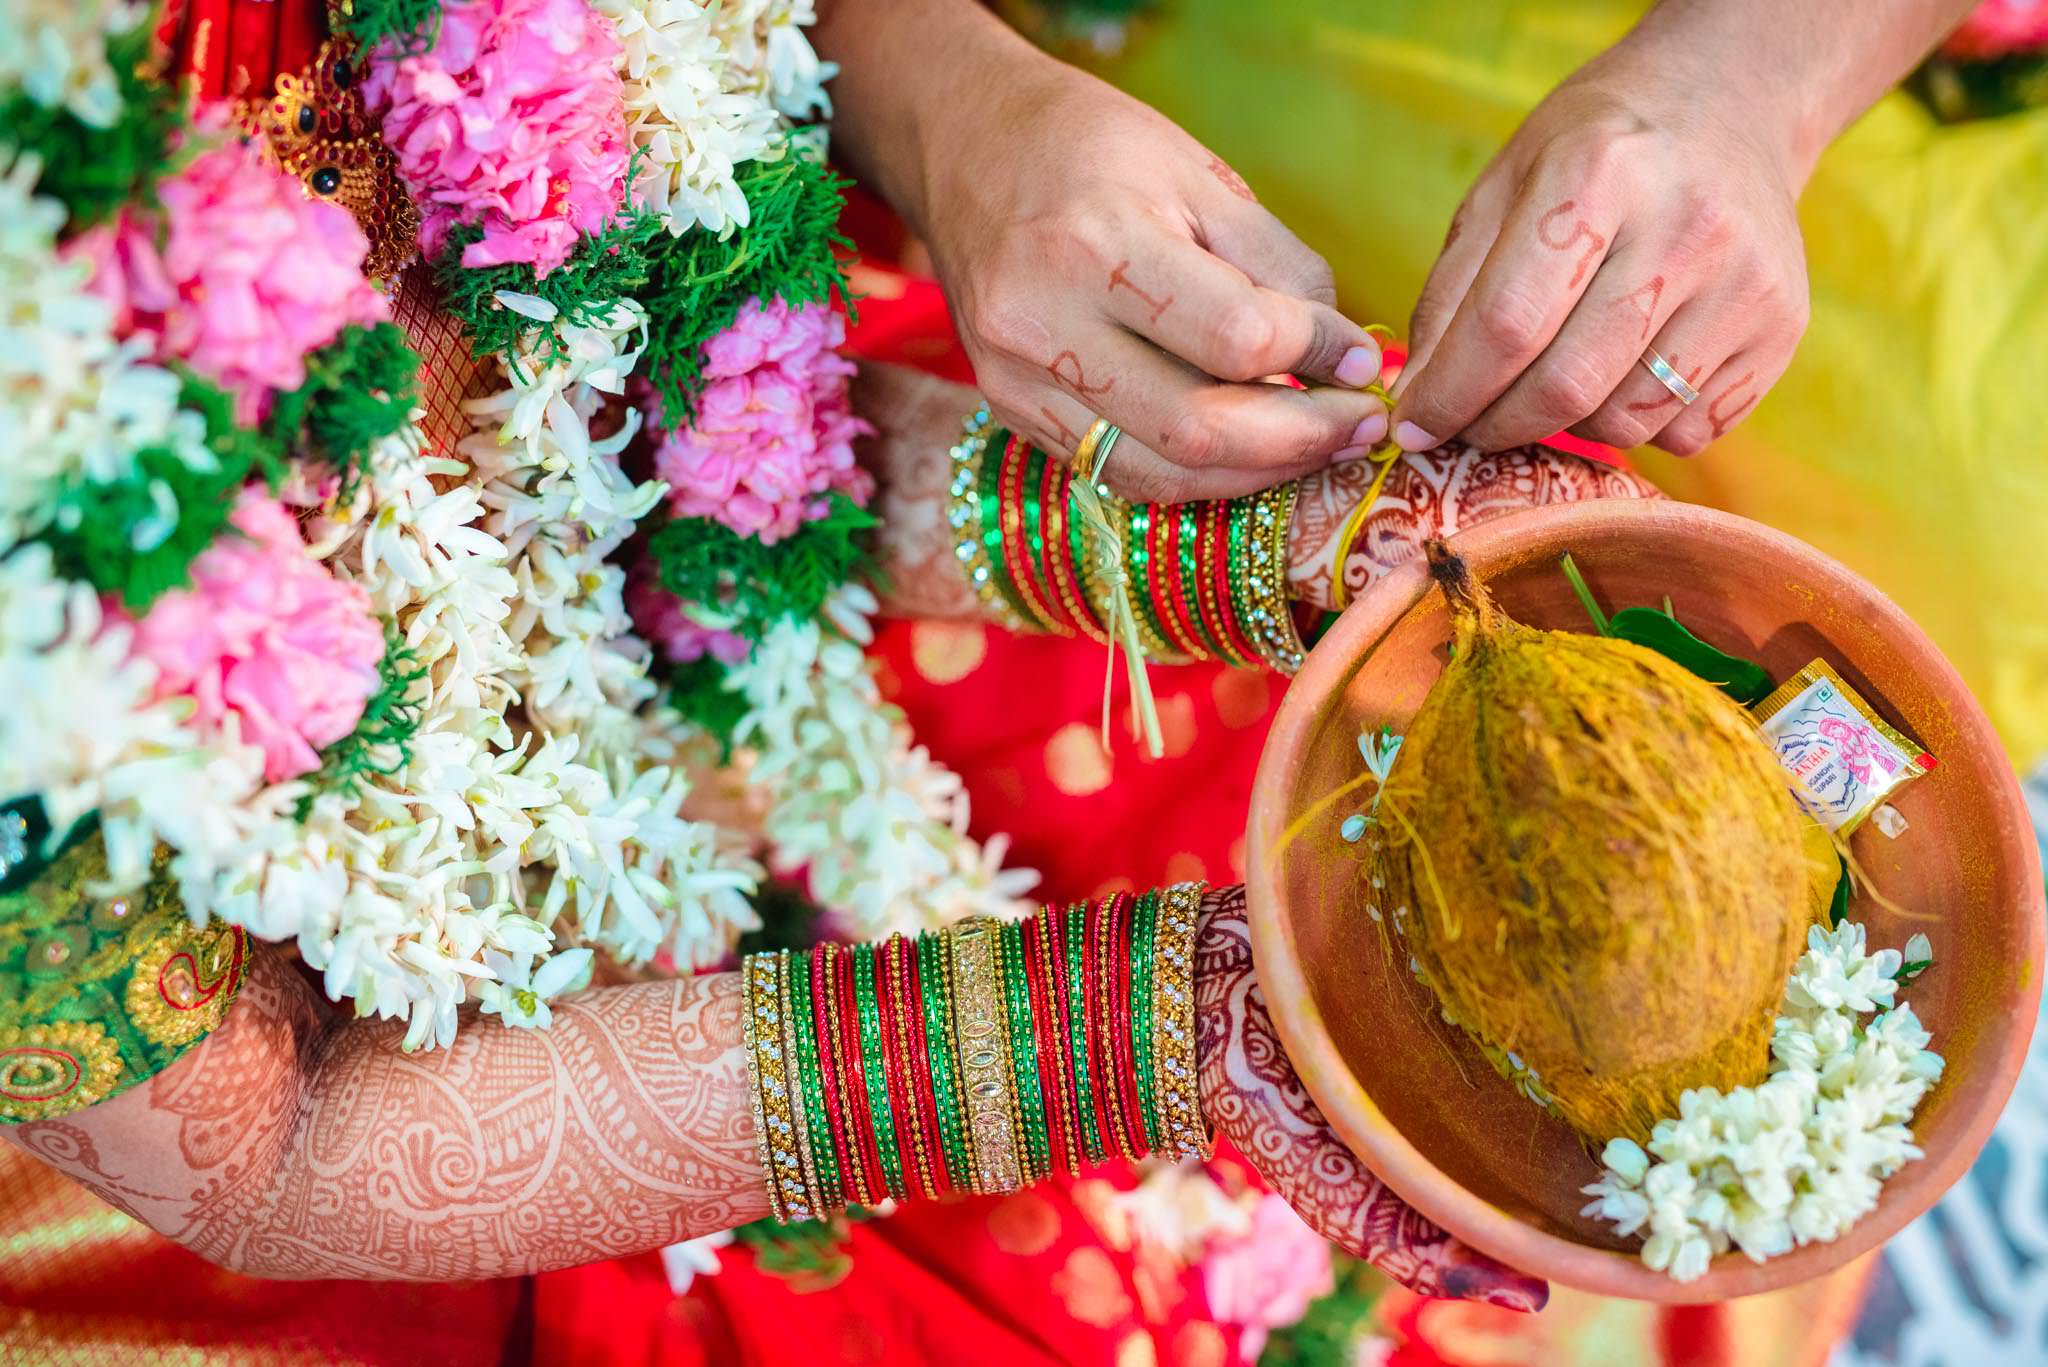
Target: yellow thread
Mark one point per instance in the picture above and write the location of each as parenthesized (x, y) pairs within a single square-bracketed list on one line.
[(1107, 546)]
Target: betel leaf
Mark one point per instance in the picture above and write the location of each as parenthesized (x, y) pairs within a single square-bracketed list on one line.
[(1742, 680)]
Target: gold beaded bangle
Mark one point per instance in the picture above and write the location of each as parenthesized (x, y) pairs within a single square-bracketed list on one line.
[(984, 1056), (963, 515), (775, 1092), (1272, 617), (1185, 1133), (757, 1014), (814, 1189)]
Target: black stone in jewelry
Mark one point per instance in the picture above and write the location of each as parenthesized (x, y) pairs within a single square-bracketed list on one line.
[(326, 181), (308, 120)]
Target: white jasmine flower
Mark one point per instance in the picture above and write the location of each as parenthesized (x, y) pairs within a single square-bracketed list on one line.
[(55, 52), (1801, 1157), (693, 1258), (520, 995)]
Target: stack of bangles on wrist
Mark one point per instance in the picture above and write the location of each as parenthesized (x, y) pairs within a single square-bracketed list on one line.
[(1205, 580), (977, 1059)]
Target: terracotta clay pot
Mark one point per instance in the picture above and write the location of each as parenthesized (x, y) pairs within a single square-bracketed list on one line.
[(1415, 1099)]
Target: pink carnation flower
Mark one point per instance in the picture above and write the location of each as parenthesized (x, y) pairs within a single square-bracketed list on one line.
[(239, 276), (266, 633), (660, 618), (515, 120), (774, 429), (1265, 1278), (1997, 28)]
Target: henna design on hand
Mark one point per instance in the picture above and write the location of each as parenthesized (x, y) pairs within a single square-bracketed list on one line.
[(1428, 493), (1719, 417), (1069, 439), (911, 460), (1119, 277), (1066, 372), (1252, 1093), (1655, 289), (1231, 180), (1580, 229), (288, 1147)]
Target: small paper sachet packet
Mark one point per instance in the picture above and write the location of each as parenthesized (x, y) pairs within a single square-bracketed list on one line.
[(1843, 758)]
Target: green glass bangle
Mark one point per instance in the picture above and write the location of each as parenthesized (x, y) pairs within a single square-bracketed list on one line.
[(812, 1082), (1143, 927), (1024, 1053), (1240, 565), (938, 1030), (872, 1065), (1077, 1011), (1034, 528), (992, 524), (1137, 564)]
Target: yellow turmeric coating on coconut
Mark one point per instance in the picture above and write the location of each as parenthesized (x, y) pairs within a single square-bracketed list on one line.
[(1603, 866)]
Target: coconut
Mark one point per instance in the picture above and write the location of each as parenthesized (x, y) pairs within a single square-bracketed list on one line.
[(1603, 869)]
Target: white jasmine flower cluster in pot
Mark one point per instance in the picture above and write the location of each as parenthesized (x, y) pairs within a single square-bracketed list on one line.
[(711, 85), (1801, 1157), (880, 825)]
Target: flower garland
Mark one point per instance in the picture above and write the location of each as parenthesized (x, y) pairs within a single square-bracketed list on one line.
[(387, 701)]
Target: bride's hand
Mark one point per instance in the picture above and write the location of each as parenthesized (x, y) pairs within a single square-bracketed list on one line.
[(1251, 1093), (1099, 261)]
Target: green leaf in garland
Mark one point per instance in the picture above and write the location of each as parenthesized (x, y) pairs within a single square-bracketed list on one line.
[(382, 740), (414, 23), (608, 266), (1330, 1333), (92, 171), (1743, 680), (789, 250), (359, 389), (136, 537), (753, 586), (697, 692)]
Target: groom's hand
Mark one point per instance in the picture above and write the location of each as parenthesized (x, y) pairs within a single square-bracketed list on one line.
[(1102, 263)]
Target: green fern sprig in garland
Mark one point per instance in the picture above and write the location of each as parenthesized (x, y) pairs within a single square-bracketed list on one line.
[(789, 250), (608, 266), (92, 171), (359, 389), (752, 586), (381, 744), (136, 537), (413, 23)]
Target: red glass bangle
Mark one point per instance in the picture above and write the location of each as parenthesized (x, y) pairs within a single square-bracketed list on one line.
[(1043, 1031), (822, 1018), (895, 1068), (1121, 924), (1016, 547), (1166, 535), (1217, 583), (859, 1115), (1098, 1028), (917, 1068), (1059, 552), (1053, 934), (921, 1065)]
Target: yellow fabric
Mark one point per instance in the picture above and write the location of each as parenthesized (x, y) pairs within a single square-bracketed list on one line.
[(1910, 437)]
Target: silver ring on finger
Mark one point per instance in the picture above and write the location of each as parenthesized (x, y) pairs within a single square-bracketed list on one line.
[(1669, 378)]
